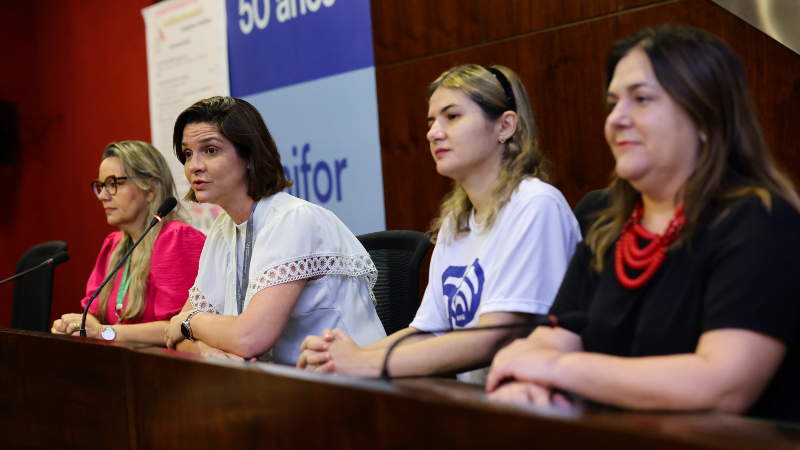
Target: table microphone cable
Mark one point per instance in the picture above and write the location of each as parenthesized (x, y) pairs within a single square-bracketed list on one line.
[(574, 322)]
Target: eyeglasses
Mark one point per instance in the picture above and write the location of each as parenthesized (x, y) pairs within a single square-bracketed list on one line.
[(110, 185)]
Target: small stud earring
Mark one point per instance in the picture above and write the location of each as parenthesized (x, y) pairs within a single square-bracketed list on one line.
[(502, 139), (703, 137)]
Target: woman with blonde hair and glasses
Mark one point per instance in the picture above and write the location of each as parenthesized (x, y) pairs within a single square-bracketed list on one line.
[(153, 284), (689, 277), (504, 236)]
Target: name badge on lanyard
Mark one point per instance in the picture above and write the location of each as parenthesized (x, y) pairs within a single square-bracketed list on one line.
[(241, 284)]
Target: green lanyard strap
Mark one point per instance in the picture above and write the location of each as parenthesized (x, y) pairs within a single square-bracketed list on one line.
[(123, 289)]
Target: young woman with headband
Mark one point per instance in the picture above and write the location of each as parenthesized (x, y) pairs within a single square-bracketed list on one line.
[(504, 236)]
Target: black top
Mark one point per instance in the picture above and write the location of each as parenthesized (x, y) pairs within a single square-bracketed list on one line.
[(742, 271), (590, 203)]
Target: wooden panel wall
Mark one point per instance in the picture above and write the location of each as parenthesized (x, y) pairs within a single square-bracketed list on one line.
[(558, 48)]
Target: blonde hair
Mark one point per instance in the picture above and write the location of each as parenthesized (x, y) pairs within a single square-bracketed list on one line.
[(522, 157), (706, 79), (142, 163)]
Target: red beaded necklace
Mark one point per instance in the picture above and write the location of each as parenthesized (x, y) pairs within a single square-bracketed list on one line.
[(652, 255)]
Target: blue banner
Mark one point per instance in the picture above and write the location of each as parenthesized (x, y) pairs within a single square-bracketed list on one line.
[(277, 43), (307, 66)]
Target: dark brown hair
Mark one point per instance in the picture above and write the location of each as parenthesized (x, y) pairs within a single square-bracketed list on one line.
[(241, 124), (704, 77)]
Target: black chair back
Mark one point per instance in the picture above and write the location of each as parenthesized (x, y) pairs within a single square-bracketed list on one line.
[(590, 203), (33, 292), (397, 255)]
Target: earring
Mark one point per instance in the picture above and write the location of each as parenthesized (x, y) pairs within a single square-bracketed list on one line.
[(502, 139), (703, 137)]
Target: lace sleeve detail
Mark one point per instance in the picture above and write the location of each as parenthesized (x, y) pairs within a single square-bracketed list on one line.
[(313, 265), (200, 301)]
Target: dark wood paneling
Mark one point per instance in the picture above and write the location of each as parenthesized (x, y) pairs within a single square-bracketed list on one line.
[(408, 29), (70, 393), (564, 82), (81, 392), (627, 4), (413, 189), (773, 71), (504, 18), (561, 68), (244, 407), (562, 71)]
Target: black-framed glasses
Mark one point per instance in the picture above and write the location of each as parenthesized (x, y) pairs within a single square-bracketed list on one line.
[(110, 185)]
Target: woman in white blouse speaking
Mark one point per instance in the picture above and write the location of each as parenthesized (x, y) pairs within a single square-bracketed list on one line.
[(504, 236), (274, 268)]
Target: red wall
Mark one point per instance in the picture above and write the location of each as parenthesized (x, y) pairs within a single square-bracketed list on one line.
[(77, 70)]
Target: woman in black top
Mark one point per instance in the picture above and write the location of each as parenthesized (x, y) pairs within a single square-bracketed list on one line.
[(691, 277)]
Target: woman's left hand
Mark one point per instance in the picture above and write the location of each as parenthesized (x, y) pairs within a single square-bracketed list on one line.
[(523, 360), (173, 334), (343, 356), (211, 352), (312, 352), (524, 393), (71, 324)]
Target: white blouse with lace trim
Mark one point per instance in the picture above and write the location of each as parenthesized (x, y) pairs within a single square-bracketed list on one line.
[(312, 266), (200, 301), (294, 240)]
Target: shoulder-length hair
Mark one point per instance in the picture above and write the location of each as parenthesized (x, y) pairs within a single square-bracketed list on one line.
[(146, 169), (522, 157), (702, 75), (242, 124)]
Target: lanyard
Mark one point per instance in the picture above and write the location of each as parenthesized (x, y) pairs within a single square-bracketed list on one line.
[(241, 285), (123, 289)]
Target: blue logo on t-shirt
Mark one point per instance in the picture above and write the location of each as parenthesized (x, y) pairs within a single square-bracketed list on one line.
[(462, 287)]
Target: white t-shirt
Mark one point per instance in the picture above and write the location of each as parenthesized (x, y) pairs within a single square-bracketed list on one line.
[(516, 266), (293, 239)]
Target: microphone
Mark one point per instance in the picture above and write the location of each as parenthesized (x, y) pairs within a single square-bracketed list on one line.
[(60, 257), (574, 322), (166, 206)]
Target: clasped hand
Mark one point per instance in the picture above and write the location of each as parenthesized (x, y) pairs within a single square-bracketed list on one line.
[(327, 353)]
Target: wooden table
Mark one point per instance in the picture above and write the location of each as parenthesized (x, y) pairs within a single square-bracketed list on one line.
[(64, 392)]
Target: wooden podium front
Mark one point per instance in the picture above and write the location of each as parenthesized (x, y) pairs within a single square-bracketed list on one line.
[(65, 392)]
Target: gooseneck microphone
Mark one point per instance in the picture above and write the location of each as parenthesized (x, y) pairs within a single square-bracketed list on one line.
[(574, 322), (59, 258), (163, 210)]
